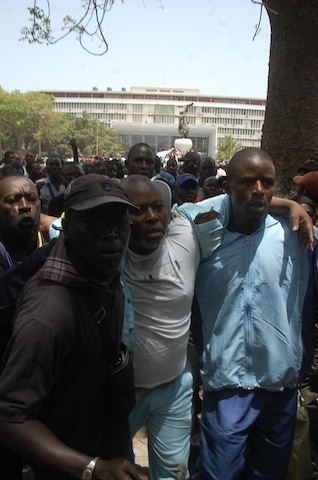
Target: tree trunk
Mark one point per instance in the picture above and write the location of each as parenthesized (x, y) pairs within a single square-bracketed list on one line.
[(290, 132)]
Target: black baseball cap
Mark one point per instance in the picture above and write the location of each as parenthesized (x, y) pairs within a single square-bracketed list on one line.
[(310, 166), (93, 190)]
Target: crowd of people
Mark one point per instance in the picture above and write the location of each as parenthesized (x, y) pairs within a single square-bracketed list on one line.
[(162, 279), (51, 176)]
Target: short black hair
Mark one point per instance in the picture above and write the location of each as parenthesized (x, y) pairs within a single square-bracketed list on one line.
[(8, 171), (246, 153), (139, 145), (192, 156)]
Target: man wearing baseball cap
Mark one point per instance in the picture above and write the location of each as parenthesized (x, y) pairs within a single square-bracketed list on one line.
[(66, 388), (186, 188), (308, 185)]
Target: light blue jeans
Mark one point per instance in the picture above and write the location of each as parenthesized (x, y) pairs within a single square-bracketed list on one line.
[(166, 411)]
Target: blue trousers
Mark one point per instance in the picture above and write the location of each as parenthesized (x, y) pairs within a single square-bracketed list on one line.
[(166, 411), (246, 431)]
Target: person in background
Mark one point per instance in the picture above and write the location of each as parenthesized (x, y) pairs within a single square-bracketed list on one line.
[(207, 169), (8, 171), (158, 165), (310, 317), (211, 187), (310, 166), (23, 250), (141, 160), (192, 163), (53, 185), (172, 167), (120, 167), (29, 157), (8, 158), (17, 165), (308, 185), (186, 188), (100, 166), (309, 207), (34, 171), (221, 181), (87, 167), (70, 171), (306, 437), (111, 168), (221, 169)]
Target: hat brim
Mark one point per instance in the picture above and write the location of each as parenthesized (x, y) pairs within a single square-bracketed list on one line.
[(101, 200), (187, 180)]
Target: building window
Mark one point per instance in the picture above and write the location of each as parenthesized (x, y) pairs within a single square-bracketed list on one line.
[(137, 108), (164, 109), (202, 145), (137, 118), (136, 139), (151, 141), (163, 142)]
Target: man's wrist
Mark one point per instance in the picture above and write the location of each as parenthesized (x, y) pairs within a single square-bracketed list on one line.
[(89, 469)]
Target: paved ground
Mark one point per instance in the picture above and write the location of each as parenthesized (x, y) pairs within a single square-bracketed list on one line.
[(140, 445)]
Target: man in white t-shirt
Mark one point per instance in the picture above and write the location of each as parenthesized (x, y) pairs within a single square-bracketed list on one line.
[(160, 273)]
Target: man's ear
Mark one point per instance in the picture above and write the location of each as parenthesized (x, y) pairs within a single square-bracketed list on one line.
[(65, 226), (226, 187)]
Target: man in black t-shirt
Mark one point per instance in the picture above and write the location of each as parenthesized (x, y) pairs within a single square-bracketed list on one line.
[(59, 401)]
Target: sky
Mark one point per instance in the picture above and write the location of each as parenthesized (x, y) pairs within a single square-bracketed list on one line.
[(204, 44)]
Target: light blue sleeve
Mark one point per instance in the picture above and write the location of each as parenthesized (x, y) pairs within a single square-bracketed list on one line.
[(209, 233)]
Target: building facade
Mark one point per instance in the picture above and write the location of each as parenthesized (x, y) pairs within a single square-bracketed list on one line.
[(151, 115)]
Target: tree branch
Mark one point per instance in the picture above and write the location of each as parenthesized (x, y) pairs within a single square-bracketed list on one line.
[(258, 26), (89, 25)]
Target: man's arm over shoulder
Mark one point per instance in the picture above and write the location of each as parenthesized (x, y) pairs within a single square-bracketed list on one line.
[(219, 204), (299, 218), (209, 218)]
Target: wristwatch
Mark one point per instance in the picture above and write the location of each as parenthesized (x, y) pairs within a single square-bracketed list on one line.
[(88, 470)]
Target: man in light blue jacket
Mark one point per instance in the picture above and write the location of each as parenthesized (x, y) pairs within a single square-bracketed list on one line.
[(251, 292)]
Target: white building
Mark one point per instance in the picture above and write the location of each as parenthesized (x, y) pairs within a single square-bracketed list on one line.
[(151, 115)]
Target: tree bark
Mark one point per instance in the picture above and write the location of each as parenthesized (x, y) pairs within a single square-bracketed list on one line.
[(290, 132)]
